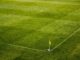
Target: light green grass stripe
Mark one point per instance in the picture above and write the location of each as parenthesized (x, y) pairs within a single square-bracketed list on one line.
[(53, 2)]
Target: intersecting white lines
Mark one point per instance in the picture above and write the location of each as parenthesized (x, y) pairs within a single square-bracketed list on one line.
[(23, 47)]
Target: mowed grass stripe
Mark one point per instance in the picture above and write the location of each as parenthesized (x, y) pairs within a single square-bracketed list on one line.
[(10, 20), (25, 21), (50, 2), (74, 16)]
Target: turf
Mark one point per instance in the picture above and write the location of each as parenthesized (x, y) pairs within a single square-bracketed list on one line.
[(27, 26)]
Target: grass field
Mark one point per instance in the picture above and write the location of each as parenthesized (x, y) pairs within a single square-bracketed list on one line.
[(27, 26)]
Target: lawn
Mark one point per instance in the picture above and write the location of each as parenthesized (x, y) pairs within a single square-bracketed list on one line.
[(27, 26)]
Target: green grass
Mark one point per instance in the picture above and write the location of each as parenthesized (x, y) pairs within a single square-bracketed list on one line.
[(26, 28)]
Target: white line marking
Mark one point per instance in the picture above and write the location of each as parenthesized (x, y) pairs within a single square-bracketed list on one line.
[(66, 39), (27, 48)]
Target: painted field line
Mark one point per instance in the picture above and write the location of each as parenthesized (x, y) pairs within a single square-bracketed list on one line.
[(54, 2), (66, 39), (23, 47)]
